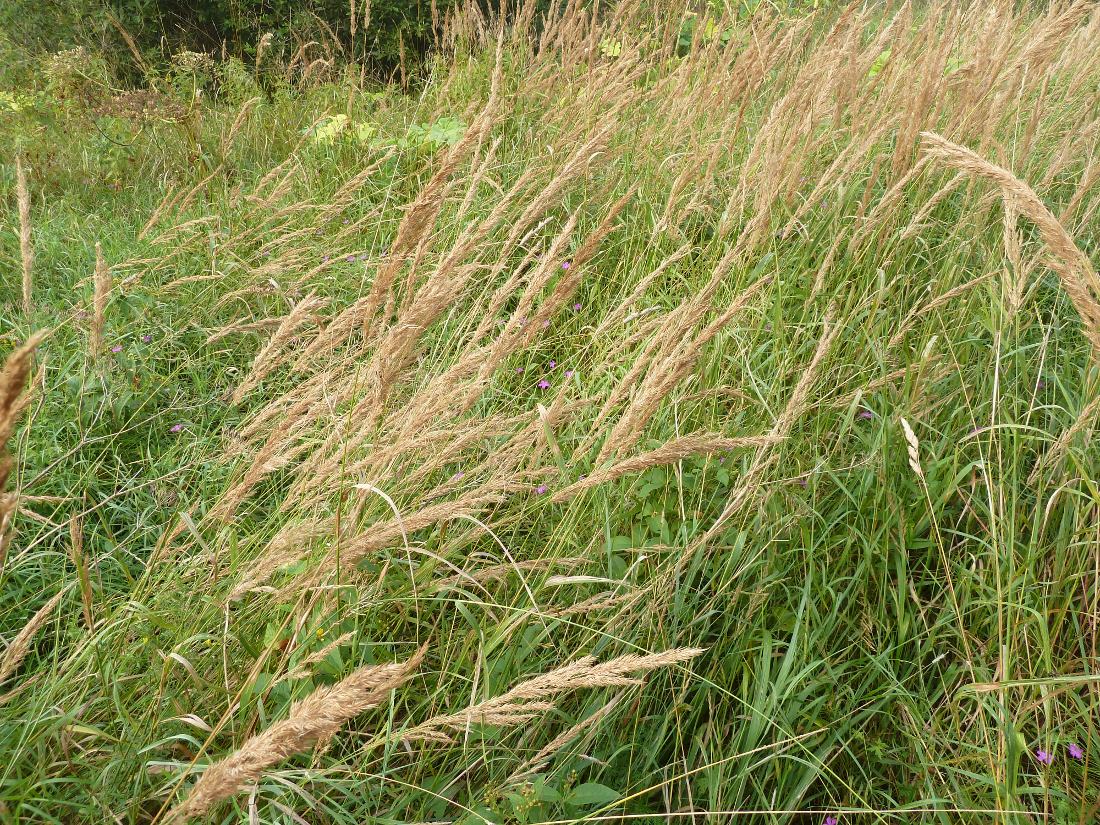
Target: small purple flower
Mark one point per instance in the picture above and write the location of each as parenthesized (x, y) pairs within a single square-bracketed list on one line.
[(830, 820), (1075, 751), (540, 489), (546, 323), (345, 221), (116, 348), (1044, 757), (351, 259), (176, 428), (519, 370), (544, 384), (145, 339), (803, 482), (324, 259), (566, 265), (576, 307), (569, 373), (1040, 384), (363, 257), (553, 364), (457, 476), (866, 415)]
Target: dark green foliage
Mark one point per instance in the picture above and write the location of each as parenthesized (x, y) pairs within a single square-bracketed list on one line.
[(396, 31), (206, 26)]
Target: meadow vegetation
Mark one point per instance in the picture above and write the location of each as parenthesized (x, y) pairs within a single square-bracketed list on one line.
[(643, 415)]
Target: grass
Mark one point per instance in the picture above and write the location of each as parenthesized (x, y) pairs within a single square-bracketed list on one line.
[(830, 385)]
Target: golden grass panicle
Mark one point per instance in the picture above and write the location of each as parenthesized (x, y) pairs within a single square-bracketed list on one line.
[(675, 354), (937, 302), (669, 453), (102, 291), (588, 726), (912, 447), (18, 647), (261, 47), (312, 720), (381, 535), (13, 380), (1058, 449), (13, 400), (26, 248), (80, 562), (536, 696), (246, 107), (766, 457), (289, 545), (272, 354), (1073, 267)]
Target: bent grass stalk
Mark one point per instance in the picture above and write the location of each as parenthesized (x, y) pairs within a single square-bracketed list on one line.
[(312, 721)]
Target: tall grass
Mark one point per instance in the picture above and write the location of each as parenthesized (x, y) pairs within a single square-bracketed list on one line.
[(757, 354)]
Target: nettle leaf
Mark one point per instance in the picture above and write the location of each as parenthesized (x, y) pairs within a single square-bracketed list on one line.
[(544, 792), (593, 794), (446, 131), (611, 48), (880, 63), (328, 129)]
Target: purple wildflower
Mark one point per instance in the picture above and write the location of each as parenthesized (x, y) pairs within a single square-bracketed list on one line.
[(540, 489), (1040, 384), (576, 307), (566, 265), (1044, 757), (324, 259), (363, 257), (546, 323), (519, 370), (553, 364), (457, 476), (176, 428), (345, 220), (830, 820), (544, 384), (1075, 751), (569, 373), (351, 259), (116, 348), (146, 338), (866, 415)]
